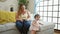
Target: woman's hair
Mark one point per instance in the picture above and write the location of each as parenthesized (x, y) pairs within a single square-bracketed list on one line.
[(21, 5), (20, 8), (36, 15)]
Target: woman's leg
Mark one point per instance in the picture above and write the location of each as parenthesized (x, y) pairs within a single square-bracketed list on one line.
[(19, 26), (33, 32), (26, 26)]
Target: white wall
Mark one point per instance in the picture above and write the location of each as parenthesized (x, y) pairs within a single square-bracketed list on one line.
[(31, 6), (14, 3), (7, 4)]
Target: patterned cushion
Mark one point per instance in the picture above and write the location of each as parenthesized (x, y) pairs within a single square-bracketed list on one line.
[(6, 16)]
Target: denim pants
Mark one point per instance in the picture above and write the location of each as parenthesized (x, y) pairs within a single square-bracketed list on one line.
[(23, 27)]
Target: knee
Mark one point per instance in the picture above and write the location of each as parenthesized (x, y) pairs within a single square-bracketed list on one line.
[(27, 24), (19, 24)]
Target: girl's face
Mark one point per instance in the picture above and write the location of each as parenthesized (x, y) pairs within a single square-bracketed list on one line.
[(37, 17)]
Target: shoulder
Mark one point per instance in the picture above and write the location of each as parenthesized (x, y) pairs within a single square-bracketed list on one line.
[(27, 11)]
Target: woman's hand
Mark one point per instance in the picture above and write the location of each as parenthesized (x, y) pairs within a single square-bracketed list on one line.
[(21, 20)]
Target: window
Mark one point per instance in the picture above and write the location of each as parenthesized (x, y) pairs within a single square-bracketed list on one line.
[(59, 26), (49, 11), (41, 13), (55, 8), (50, 2), (45, 19), (55, 2), (45, 13), (55, 14), (45, 8), (38, 4), (50, 14), (41, 8), (49, 19), (45, 3), (59, 1), (41, 3), (37, 8), (54, 20), (49, 8), (59, 21), (55, 26), (59, 14)]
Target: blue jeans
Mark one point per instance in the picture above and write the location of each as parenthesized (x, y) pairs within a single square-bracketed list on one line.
[(23, 27)]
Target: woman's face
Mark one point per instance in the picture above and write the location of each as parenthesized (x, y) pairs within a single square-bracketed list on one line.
[(23, 7)]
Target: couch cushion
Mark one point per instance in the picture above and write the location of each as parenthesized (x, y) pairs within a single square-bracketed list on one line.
[(46, 26), (7, 26), (2, 28), (7, 16), (10, 26)]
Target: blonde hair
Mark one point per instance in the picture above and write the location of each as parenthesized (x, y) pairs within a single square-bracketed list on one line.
[(19, 12)]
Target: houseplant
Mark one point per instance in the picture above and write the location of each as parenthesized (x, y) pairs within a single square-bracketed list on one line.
[(25, 2)]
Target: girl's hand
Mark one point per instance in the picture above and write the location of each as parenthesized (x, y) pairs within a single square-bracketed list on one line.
[(41, 23)]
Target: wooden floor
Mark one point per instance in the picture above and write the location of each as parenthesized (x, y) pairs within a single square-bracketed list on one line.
[(56, 32)]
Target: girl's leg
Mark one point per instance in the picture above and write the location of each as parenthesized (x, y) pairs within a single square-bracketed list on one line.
[(19, 26), (33, 32)]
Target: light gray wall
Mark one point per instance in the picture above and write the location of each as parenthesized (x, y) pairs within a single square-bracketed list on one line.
[(7, 4), (31, 6)]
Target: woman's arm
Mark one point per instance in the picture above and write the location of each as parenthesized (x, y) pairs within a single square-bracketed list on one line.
[(29, 16), (18, 18)]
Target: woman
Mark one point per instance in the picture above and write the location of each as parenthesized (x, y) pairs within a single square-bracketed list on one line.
[(22, 19)]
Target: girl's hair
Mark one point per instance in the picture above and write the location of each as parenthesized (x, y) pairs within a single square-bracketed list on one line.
[(36, 15), (20, 8)]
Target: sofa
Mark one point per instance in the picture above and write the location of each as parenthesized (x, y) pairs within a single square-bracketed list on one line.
[(8, 27)]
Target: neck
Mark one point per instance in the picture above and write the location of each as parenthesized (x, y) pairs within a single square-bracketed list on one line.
[(22, 12), (36, 19)]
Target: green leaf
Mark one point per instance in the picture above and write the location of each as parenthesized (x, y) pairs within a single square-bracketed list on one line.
[(25, 2)]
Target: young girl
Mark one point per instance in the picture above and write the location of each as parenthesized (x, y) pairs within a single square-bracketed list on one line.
[(35, 24)]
